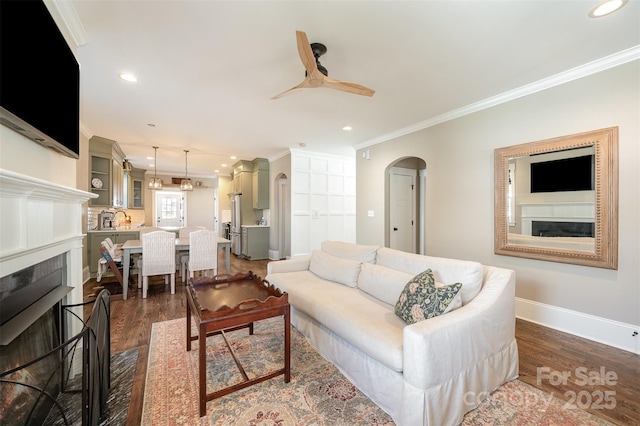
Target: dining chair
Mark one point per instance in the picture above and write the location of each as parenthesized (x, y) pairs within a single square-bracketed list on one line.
[(138, 261), (203, 252), (111, 264), (158, 258), (183, 257), (114, 253)]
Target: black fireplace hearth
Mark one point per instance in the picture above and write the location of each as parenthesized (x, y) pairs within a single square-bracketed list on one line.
[(562, 229)]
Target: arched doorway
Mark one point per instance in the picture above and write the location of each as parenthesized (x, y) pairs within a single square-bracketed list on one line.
[(282, 217), (405, 181)]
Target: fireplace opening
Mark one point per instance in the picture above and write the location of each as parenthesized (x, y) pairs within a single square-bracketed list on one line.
[(541, 228), (20, 390), (51, 374)]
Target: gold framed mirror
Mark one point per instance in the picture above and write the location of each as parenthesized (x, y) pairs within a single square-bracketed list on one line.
[(557, 199)]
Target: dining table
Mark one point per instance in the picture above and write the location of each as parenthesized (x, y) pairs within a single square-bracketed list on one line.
[(130, 247)]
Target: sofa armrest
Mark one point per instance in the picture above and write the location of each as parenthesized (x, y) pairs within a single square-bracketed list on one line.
[(289, 265), (441, 348)]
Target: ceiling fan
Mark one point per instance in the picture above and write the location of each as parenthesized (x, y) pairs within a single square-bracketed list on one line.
[(316, 74)]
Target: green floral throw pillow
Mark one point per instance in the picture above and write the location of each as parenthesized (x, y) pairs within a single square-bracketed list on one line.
[(421, 299)]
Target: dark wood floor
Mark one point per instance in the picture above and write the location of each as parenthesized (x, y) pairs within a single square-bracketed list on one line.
[(545, 354)]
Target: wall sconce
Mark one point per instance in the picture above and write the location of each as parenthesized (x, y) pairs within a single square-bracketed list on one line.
[(155, 183)]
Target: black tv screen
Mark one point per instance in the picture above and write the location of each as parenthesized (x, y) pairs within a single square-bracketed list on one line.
[(567, 174), (40, 77)]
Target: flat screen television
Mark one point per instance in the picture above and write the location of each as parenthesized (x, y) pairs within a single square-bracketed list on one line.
[(40, 77), (566, 174)]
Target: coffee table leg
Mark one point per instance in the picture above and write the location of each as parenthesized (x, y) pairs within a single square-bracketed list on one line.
[(188, 326), (202, 351), (287, 346)]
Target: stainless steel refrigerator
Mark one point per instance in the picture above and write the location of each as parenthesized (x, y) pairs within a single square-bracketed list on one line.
[(236, 223)]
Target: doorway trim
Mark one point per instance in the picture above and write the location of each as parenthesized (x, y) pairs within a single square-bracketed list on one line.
[(282, 219), (421, 204)]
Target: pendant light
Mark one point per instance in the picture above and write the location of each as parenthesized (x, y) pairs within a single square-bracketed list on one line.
[(185, 184), (155, 182)]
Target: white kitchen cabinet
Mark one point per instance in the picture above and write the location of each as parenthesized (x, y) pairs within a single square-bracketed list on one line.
[(243, 183), (118, 200), (135, 189), (100, 180), (255, 242), (260, 183), (106, 176)]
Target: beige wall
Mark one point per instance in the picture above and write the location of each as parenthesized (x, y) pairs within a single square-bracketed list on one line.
[(459, 207), (200, 201), (22, 155), (225, 187), (277, 167)]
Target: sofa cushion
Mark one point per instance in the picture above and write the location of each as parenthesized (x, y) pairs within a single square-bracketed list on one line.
[(421, 299), (444, 270), (365, 322), (455, 303), (343, 250), (384, 284), (332, 268)]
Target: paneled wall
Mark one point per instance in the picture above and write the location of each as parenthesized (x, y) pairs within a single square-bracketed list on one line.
[(323, 200)]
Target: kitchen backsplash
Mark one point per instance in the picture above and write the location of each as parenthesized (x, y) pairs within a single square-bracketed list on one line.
[(137, 216)]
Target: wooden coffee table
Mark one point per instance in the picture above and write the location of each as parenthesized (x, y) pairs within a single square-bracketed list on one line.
[(228, 303)]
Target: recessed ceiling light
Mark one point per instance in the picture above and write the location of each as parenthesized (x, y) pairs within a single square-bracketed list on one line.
[(152, 165), (606, 7), (216, 171), (223, 165), (233, 157), (347, 128), (149, 158), (127, 76)]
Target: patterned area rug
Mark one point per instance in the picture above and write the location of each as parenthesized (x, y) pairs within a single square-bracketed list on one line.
[(317, 394)]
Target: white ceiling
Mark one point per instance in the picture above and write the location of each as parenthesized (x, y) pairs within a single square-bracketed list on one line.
[(207, 69)]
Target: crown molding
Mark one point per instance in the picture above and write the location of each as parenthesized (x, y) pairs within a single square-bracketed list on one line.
[(85, 130), (71, 19), (325, 155), (602, 64), (279, 156)]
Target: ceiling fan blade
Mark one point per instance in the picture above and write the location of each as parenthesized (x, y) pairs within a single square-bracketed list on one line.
[(306, 54), (346, 86), (305, 83), (316, 78)]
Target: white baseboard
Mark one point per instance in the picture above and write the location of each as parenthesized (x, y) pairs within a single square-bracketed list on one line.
[(86, 275), (613, 333)]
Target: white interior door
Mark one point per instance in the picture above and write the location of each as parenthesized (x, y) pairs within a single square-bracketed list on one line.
[(402, 209), (170, 209)]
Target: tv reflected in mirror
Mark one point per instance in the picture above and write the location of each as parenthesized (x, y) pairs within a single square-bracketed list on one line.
[(566, 174)]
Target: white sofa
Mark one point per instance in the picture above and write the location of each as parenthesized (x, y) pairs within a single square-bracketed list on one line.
[(429, 373)]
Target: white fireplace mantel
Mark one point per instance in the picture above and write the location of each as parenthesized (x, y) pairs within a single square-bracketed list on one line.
[(560, 212), (40, 220)]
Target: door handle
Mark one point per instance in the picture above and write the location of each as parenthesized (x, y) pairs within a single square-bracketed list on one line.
[(395, 229)]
